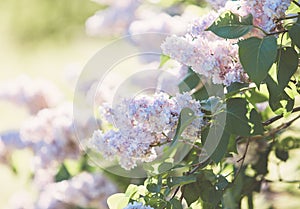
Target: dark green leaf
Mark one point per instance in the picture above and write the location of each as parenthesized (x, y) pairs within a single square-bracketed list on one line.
[(63, 174), (236, 120), (256, 120), (230, 25), (281, 154), (294, 32), (277, 96), (290, 143), (222, 183), (221, 148), (175, 204), (191, 192), (287, 65), (153, 188), (257, 56), (181, 180), (190, 81), (186, 118)]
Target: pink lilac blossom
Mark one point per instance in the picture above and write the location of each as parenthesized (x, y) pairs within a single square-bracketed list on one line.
[(217, 58), (141, 123), (209, 56), (84, 190), (137, 205), (35, 94), (265, 12)]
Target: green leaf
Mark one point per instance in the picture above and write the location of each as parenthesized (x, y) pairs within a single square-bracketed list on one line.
[(222, 183), (281, 154), (257, 56), (229, 25), (186, 118), (190, 81), (191, 192), (290, 143), (256, 120), (175, 204), (180, 180), (221, 149), (257, 97), (118, 201), (294, 32), (277, 95), (236, 120), (62, 174), (153, 188), (287, 65), (163, 60)]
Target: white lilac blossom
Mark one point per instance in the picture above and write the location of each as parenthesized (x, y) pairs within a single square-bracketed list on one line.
[(217, 58), (140, 124), (51, 135), (137, 205), (35, 94), (206, 53), (209, 56), (84, 190)]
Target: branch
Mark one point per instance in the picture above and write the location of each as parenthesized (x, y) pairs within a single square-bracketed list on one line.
[(243, 160), (295, 2), (277, 117), (277, 32), (286, 18)]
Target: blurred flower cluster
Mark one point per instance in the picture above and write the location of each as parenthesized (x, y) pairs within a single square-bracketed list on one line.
[(50, 135)]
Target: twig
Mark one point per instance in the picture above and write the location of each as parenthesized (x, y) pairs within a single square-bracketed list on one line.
[(282, 181), (277, 117), (243, 160), (295, 2), (277, 32), (286, 18), (175, 192)]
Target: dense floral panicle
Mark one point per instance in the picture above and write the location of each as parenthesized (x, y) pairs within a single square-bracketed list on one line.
[(34, 94), (84, 190), (137, 205), (208, 56), (51, 134), (265, 12), (141, 123)]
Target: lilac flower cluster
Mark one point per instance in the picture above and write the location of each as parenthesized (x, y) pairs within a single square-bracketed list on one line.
[(207, 55), (265, 12), (137, 205), (214, 57), (141, 123)]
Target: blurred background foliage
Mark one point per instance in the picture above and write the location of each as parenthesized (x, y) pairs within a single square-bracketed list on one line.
[(33, 21)]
